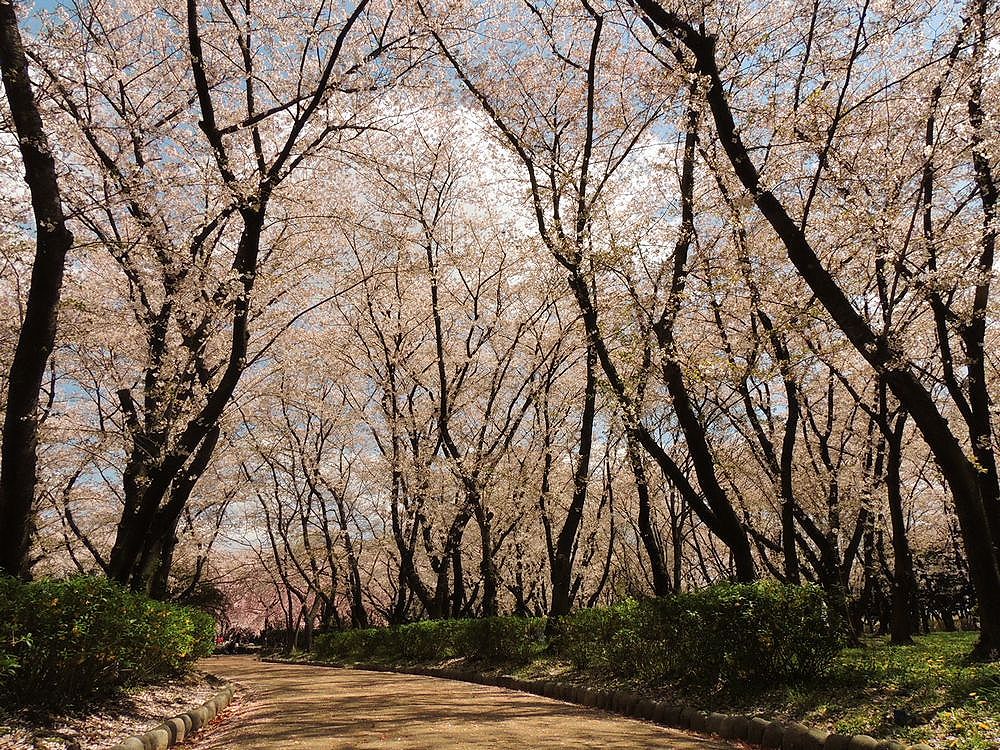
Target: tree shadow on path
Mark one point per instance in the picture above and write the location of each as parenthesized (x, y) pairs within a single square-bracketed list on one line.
[(292, 706)]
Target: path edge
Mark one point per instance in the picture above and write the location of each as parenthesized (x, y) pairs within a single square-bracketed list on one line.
[(182, 726), (770, 735)]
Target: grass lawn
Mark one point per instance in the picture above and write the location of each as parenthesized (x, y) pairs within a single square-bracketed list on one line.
[(923, 693), (926, 692)]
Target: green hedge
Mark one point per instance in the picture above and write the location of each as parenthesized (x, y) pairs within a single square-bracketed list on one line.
[(491, 639), (500, 639), (727, 633), (65, 642)]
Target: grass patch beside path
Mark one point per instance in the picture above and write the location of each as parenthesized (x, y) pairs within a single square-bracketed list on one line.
[(923, 693)]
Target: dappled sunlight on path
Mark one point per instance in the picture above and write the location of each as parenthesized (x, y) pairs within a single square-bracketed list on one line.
[(291, 706)]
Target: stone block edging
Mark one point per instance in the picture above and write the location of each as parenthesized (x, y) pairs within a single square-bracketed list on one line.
[(770, 735), (175, 730)]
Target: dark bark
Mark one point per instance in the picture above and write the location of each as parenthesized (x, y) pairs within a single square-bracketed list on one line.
[(903, 580), (136, 528), (36, 337), (153, 568), (487, 564), (568, 242), (973, 334), (647, 533), (959, 472), (608, 496), (791, 560), (566, 541), (695, 434), (359, 616), (149, 479), (780, 464)]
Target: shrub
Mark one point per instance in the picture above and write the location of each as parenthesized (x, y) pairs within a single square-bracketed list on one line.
[(346, 645), (499, 639), (769, 632), (426, 640), (728, 633), (491, 639), (586, 637), (71, 641)]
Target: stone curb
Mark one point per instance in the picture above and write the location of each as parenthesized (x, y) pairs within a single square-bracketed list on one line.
[(175, 730), (770, 735)]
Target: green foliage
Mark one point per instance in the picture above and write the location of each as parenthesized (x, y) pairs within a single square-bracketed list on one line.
[(940, 697), (750, 640), (729, 633), (71, 641), (427, 640), (499, 639), (346, 645), (762, 632), (932, 681), (491, 639), (600, 637)]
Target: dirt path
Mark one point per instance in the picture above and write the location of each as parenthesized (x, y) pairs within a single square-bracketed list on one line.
[(281, 706)]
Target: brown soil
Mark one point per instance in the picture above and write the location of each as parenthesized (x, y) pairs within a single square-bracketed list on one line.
[(104, 726), (294, 706)]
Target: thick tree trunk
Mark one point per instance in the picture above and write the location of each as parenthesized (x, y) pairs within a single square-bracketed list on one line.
[(159, 581), (36, 338), (458, 583), (150, 483), (487, 566)]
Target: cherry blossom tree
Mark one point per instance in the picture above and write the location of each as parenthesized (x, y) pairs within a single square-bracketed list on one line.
[(864, 44)]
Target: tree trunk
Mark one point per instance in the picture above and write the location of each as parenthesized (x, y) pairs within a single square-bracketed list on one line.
[(487, 566), (903, 580), (650, 541), (958, 470), (566, 541), (36, 338), (789, 550), (138, 522)]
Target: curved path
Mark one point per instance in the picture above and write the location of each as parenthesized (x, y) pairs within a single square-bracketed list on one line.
[(291, 706)]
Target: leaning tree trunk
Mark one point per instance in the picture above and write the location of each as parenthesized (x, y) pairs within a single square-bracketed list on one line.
[(647, 533)]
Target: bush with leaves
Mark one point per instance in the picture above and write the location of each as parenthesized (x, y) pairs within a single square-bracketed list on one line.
[(427, 640), (499, 639), (490, 639), (727, 633), (67, 642), (347, 645), (588, 637)]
